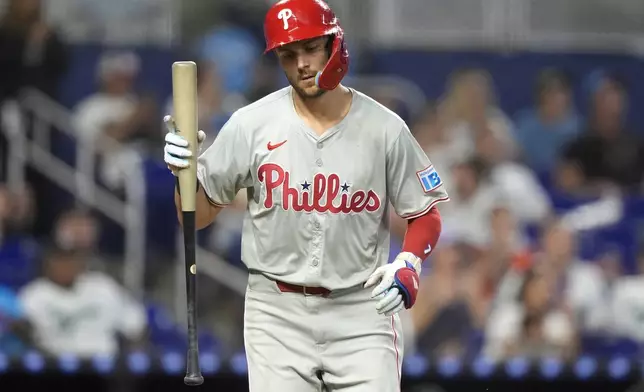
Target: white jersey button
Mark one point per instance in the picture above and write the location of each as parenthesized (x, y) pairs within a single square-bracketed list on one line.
[(320, 145), (319, 162)]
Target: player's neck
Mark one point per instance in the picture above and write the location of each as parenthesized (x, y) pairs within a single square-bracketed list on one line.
[(329, 107)]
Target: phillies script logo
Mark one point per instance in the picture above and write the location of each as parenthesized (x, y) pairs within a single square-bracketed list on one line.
[(321, 195)]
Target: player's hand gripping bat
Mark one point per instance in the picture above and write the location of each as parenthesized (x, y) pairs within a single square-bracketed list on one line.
[(184, 95)]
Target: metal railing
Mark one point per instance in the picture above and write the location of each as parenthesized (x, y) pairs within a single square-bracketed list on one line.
[(78, 180), (12, 127)]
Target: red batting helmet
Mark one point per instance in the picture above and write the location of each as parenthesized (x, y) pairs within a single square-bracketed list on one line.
[(296, 20)]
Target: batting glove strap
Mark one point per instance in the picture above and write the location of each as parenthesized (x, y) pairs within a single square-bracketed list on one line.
[(406, 280), (411, 260)]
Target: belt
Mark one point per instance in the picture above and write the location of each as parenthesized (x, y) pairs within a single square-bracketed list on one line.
[(293, 288)]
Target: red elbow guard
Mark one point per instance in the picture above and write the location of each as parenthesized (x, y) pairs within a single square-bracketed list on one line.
[(422, 234)]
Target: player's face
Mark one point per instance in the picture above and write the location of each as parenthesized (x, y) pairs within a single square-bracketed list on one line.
[(301, 61)]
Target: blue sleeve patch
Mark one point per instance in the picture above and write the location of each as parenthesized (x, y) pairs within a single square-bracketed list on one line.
[(429, 179)]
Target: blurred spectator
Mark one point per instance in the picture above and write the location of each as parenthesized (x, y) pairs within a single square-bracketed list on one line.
[(265, 79), (434, 140), (18, 250), (518, 186), (608, 154), (466, 217), (112, 110), (78, 230), (627, 304), (14, 330), (469, 111), (505, 259), (579, 285), (33, 55), (543, 130), (427, 130), (32, 52), (389, 97), (117, 113), (74, 311), (494, 268), (611, 265), (530, 326), (441, 317), (237, 72)]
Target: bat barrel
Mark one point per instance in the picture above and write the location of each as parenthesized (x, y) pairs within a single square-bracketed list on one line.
[(184, 100)]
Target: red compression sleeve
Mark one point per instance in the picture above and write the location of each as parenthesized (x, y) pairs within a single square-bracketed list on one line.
[(422, 234)]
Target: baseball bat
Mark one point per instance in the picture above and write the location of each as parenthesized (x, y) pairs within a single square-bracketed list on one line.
[(184, 96)]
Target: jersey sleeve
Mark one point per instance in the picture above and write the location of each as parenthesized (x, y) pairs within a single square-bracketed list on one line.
[(413, 185), (224, 168)]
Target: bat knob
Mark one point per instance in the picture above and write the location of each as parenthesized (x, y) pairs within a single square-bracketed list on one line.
[(193, 379)]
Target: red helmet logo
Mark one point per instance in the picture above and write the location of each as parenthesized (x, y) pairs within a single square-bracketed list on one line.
[(284, 15)]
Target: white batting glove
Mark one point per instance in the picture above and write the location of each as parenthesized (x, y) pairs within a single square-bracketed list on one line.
[(397, 284), (176, 148)]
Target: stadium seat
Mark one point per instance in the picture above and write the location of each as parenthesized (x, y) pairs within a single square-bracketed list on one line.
[(595, 345), (604, 346), (474, 344), (625, 347)]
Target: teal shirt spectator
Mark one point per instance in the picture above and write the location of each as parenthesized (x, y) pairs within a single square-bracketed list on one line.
[(541, 143), (10, 310)]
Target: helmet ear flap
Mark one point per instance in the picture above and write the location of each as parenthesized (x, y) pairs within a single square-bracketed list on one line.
[(337, 66)]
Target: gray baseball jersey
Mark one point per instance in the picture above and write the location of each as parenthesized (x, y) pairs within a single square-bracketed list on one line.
[(318, 206)]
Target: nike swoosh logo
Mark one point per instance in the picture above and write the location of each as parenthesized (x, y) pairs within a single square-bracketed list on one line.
[(271, 147)]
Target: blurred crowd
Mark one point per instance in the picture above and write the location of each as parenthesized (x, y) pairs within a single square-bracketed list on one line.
[(507, 277)]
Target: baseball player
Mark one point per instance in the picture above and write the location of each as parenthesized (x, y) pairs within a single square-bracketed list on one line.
[(321, 165)]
